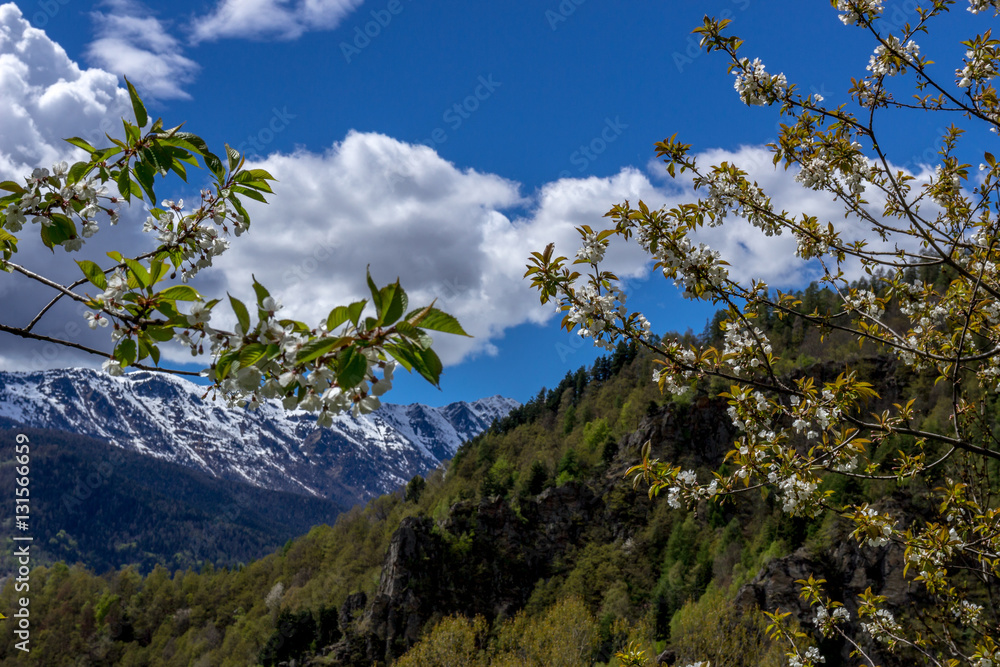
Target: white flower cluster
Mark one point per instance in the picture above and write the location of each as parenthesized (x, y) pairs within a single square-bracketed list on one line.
[(882, 626), (725, 195), (943, 187), (741, 347), (976, 6), (596, 310), (592, 249), (865, 302), (885, 528), (826, 621), (980, 66), (812, 656), (687, 486), (756, 86), (247, 387), (199, 242), (796, 493), (43, 185), (853, 10), (817, 172), (967, 612), (884, 61)]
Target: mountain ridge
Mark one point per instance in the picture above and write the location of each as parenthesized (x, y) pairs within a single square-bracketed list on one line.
[(165, 417)]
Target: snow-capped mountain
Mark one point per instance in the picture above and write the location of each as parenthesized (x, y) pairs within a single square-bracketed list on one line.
[(166, 417)]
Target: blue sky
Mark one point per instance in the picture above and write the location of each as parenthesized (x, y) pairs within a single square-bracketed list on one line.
[(539, 115)]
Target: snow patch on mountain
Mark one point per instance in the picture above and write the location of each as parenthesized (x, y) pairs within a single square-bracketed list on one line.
[(171, 419)]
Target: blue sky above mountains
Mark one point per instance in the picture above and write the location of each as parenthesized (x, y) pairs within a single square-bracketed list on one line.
[(440, 142)]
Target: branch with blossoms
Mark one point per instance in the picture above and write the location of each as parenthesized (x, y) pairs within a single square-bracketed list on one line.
[(345, 363), (903, 232)]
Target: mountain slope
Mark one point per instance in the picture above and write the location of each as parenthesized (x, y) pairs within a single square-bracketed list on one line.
[(107, 507), (166, 417)]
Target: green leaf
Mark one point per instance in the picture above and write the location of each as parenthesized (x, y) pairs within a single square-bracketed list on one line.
[(140, 272), (394, 301), (437, 320), (425, 362), (251, 354), (162, 334), (429, 365), (180, 293), (94, 274), (241, 313), (145, 173), (137, 106), (351, 368), (11, 186), (80, 143), (198, 145), (356, 309), (261, 292), (77, 172), (125, 352), (124, 184), (260, 175), (234, 157), (225, 363), (316, 348), (337, 316), (376, 295), (247, 192)]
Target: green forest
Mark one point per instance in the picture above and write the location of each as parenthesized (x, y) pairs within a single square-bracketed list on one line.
[(530, 547)]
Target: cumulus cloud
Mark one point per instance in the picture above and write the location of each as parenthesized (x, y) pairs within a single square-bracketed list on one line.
[(45, 96), (456, 235), (133, 43), (270, 19)]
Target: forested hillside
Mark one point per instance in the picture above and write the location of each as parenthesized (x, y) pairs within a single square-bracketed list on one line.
[(529, 532)]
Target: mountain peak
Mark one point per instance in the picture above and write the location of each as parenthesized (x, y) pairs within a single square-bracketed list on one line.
[(165, 416)]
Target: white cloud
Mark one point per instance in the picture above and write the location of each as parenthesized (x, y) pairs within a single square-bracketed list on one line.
[(270, 19), (133, 43), (45, 96), (460, 236)]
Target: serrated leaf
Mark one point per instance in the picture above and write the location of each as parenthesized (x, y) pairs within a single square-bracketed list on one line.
[(139, 271), (11, 186), (77, 172), (437, 320), (337, 316), (316, 348), (376, 295), (225, 363), (394, 302), (80, 143), (125, 352), (141, 117), (241, 313), (356, 309), (93, 273), (180, 293), (234, 157), (251, 354), (124, 184), (352, 366)]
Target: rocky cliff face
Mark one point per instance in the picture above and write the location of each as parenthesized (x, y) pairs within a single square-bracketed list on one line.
[(487, 558)]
